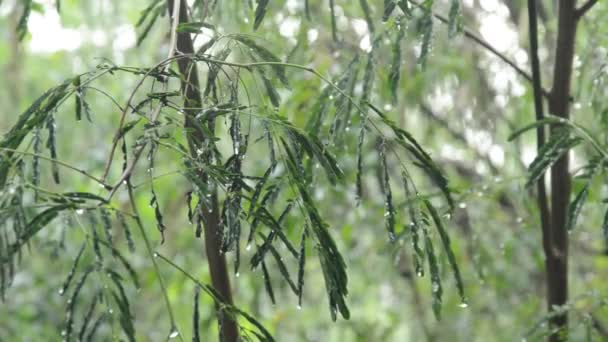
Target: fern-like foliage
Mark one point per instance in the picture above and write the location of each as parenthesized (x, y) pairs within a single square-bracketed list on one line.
[(301, 158)]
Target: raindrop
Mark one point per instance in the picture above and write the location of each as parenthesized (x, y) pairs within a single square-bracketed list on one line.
[(60, 291), (388, 107), (299, 307), (174, 333), (79, 211), (237, 274), (248, 247), (111, 311), (519, 220), (435, 286), (155, 255), (462, 205), (463, 305), (331, 97)]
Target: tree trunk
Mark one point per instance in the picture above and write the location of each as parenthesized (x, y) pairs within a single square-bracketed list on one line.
[(559, 105), (212, 230)]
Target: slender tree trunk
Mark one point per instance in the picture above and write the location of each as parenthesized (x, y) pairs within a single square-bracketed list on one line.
[(212, 230), (559, 105), (13, 67)]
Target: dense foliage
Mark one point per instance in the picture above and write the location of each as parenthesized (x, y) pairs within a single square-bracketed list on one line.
[(376, 157)]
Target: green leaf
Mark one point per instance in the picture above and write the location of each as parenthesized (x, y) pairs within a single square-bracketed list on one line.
[(150, 14), (301, 266), (72, 272), (575, 207), (37, 224), (194, 27), (546, 121), (368, 16), (267, 282), (454, 18), (122, 300), (389, 7), (273, 95), (425, 162), (27, 122), (332, 263), (389, 208), (69, 321), (196, 316), (395, 70), (22, 24), (77, 98), (265, 55), (51, 144), (89, 315), (334, 27), (445, 239), (436, 289), (425, 28), (558, 145), (260, 12), (283, 269), (414, 225)]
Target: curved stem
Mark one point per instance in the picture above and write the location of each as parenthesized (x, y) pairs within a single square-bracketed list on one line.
[(152, 256)]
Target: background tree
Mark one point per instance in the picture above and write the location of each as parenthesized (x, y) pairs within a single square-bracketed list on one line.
[(311, 121)]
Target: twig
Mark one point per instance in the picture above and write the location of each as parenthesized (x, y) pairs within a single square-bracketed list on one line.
[(59, 162), (170, 57), (543, 204), (137, 154), (152, 256), (584, 8), (474, 37)]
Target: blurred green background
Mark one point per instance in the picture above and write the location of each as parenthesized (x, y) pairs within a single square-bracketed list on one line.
[(462, 107)]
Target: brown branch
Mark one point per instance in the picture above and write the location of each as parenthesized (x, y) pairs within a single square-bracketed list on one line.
[(542, 201), (474, 37), (196, 139), (458, 136), (559, 105), (580, 12)]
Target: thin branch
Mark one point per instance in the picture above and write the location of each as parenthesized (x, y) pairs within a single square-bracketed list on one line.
[(165, 62), (59, 162), (543, 203), (152, 257), (474, 37), (580, 12), (137, 154)]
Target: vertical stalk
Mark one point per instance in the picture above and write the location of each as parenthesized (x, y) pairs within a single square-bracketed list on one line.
[(542, 201), (559, 105), (212, 230)]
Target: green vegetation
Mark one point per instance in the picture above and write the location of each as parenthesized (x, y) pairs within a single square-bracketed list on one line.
[(303, 170)]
